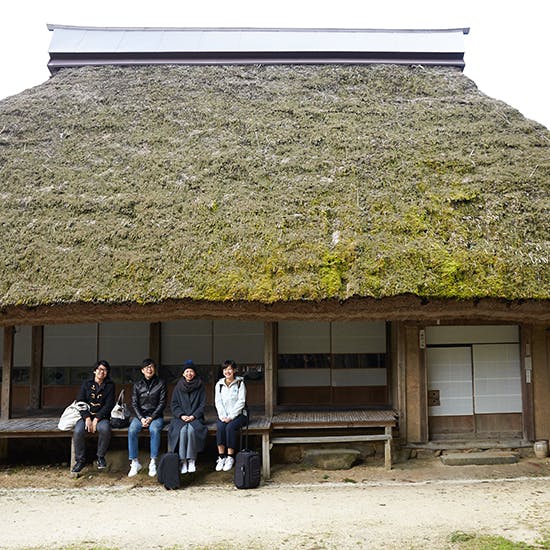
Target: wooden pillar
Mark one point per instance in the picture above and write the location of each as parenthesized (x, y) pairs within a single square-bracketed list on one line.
[(270, 367), (416, 387), (399, 382), (7, 368), (37, 354), (526, 348), (540, 356), (154, 342)]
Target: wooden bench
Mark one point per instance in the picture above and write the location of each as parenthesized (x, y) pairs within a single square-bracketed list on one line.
[(323, 420), (38, 427), (46, 427)]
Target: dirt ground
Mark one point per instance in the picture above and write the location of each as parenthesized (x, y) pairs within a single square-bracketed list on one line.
[(417, 504)]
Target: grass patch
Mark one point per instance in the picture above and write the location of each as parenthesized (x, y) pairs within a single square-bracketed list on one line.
[(470, 541)]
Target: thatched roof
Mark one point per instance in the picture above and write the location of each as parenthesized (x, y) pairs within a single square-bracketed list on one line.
[(269, 184)]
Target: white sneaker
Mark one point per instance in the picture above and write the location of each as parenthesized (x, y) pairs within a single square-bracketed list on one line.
[(229, 461), (152, 468), (219, 464), (135, 467), (183, 467), (191, 468)]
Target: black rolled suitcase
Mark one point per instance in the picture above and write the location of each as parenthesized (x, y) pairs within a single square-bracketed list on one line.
[(247, 469), (168, 471), (247, 466)]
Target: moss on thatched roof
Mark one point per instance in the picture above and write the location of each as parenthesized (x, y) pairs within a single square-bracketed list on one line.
[(269, 183)]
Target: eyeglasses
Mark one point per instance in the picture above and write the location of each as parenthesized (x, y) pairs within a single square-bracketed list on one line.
[(102, 369), (149, 367)]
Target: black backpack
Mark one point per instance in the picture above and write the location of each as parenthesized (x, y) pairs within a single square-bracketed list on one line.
[(168, 471)]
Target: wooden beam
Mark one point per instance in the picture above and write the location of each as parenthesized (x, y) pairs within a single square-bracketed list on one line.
[(154, 342), (37, 354), (397, 308), (7, 368)]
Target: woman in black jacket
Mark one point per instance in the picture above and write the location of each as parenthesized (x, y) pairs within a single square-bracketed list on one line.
[(187, 432), (148, 400), (99, 393)]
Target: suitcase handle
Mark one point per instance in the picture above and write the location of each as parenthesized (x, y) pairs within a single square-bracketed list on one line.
[(245, 435)]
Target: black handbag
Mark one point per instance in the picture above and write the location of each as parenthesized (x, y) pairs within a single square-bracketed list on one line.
[(120, 415)]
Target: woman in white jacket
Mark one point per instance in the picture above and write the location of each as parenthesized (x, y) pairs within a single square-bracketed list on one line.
[(230, 399)]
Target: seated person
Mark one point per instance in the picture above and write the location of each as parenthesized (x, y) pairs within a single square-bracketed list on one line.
[(187, 432), (99, 393), (230, 399), (148, 401)]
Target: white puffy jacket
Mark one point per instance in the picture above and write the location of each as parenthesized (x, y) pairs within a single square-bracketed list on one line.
[(230, 400)]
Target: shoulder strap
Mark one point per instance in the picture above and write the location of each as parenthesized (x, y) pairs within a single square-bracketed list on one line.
[(238, 385), (120, 396)]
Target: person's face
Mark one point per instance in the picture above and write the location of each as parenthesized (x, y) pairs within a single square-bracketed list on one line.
[(149, 371), (229, 372), (189, 374), (100, 373)]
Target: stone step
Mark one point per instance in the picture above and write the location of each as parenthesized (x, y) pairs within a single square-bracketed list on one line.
[(479, 458), (331, 459)]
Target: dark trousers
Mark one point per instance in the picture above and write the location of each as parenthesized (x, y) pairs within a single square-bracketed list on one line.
[(227, 434), (79, 441)]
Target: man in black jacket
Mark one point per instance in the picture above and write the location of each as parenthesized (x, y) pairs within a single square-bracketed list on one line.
[(148, 400), (99, 393)]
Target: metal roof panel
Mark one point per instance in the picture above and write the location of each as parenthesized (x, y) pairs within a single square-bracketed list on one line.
[(120, 40)]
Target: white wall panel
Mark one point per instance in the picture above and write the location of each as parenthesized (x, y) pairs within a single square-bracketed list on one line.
[(70, 345), (22, 346), (289, 378), (497, 378), (242, 341), (450, 372), (304, 337), (472, 334), (358, 337), (358, 377), (124, 343), (186, 339)]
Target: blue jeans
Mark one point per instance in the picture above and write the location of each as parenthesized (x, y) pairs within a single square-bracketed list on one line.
[(154, 430)]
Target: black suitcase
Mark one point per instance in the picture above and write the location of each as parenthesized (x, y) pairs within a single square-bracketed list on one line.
[(247, 467), (168, 471)]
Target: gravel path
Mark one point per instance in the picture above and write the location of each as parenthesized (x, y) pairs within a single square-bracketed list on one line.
[(366, 514)]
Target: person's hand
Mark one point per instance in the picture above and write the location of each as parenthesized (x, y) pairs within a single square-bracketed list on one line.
[(89, 425), (187, 418), (94, 425), (145, 422), (227, 420)]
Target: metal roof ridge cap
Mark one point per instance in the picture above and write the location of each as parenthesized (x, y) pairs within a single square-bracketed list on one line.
[(53, 26)]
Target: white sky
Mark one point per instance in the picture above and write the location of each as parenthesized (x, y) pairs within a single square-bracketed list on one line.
[(507, 50)]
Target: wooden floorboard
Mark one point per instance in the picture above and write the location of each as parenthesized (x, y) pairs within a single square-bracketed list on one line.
[(47, 426), (337, 419)]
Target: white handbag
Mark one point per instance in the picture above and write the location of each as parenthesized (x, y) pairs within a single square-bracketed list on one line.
[(71, 415), (120, 415)]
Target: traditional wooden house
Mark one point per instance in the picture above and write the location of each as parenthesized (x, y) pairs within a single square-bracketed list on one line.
[(342, 212)]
